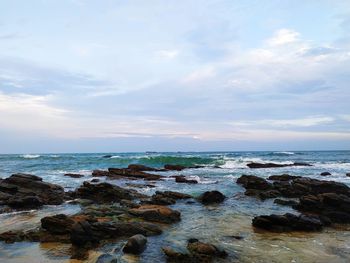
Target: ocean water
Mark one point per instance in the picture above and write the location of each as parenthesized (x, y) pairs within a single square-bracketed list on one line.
[(216, 224)]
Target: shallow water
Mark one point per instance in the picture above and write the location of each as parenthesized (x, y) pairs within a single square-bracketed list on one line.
[(215, 224)]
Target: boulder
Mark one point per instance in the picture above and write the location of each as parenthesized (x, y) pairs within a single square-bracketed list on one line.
[(135, 245), (167, 198), (133, 174), (142, 168), (282, 177), (325, 174), (57, 224), (253, 182), (211, 197), (156, 213), (288, 222), (99, 173)]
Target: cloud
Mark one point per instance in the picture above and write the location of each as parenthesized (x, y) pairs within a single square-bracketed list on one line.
[(283, 36), (167, 54)]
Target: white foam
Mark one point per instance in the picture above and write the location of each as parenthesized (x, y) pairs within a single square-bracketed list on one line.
[(286, 153), (30, 156)]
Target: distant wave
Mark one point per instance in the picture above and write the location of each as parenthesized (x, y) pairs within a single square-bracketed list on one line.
[(232, 163), (284, 153), (30, 156)]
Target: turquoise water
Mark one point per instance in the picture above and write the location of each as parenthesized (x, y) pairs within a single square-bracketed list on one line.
[(216, 224)]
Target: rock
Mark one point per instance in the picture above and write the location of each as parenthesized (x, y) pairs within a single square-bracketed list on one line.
[(142, 168), (156, 213), (211, 197), (86, 234), (325, 174), (23, 191), (94, 180), (283, 177), (182, 179), (174, 167), (57, 224), (285, 202), (167, 198), (204, 250), (174, 256), (135, 245), (74, 175), (134, 174), (106, 258), (105, 193), (348, 174), (99, 173), (107, 156), (254, 165), (253, 182), (288, 222)]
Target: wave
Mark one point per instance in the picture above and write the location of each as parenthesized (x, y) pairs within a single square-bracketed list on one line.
[(283, 153), (240, 163), (30, 156)]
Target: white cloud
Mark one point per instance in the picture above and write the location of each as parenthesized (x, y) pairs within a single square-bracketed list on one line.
[(283, 36), (167, 54)]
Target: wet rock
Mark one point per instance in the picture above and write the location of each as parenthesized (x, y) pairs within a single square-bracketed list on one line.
[(283, 177), (105, 193), (89, 234), (143, 168), (106, 258), (94, 180), (288, 222), (211, 197), (325, 174), (156, 213), (134, 174), (254, 165), (174, 167), (135, 245), (167, 198), (183, 179), (74, 175), (99, 173), (57, 224), (348, 174), (174, 256), (285, 202), (22, 191), (141, 185), (107, 156), (253, 182)]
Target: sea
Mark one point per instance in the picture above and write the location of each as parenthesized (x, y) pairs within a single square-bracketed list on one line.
[(227, 225)]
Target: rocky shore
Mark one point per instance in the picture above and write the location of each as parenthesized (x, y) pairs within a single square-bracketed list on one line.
[(110, 212)]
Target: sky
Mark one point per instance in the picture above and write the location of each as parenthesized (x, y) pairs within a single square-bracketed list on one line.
[(175, 75)]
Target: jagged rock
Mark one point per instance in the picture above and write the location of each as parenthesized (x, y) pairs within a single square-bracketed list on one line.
[(105, 193), (134, 174), (183, 179), (253, 182), (22, 191), (156, 213), (135, 245), (325, 174), (74, 175), (211, 197), (274, 165), (288, 222)]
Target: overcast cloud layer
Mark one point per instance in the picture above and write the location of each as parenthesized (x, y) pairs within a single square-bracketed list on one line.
[(104, 76)]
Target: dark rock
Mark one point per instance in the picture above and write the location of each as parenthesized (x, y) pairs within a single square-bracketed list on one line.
[(174, 167), (94, 180), (253, 182), (134, 174), (348, 174), (288, 222), (107, 156), (167, 198), (156, 213), (211, 197), (254, 165), (183, 179), (57, 224), (99, 173), (106, 258), (325, 174), (142, 168), (135, 245), (104, 193), (74, 175), (22, 191), (283, 177)]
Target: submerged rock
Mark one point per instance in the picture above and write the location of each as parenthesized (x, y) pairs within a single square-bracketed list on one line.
[(99, 173), (29, 191), (135, 245), (130, 173), (156, 213), (325, 174), (288, 222), (142, 168), (211, 197), (174, 167), (183, 179), (74, 175), (285, 202)]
